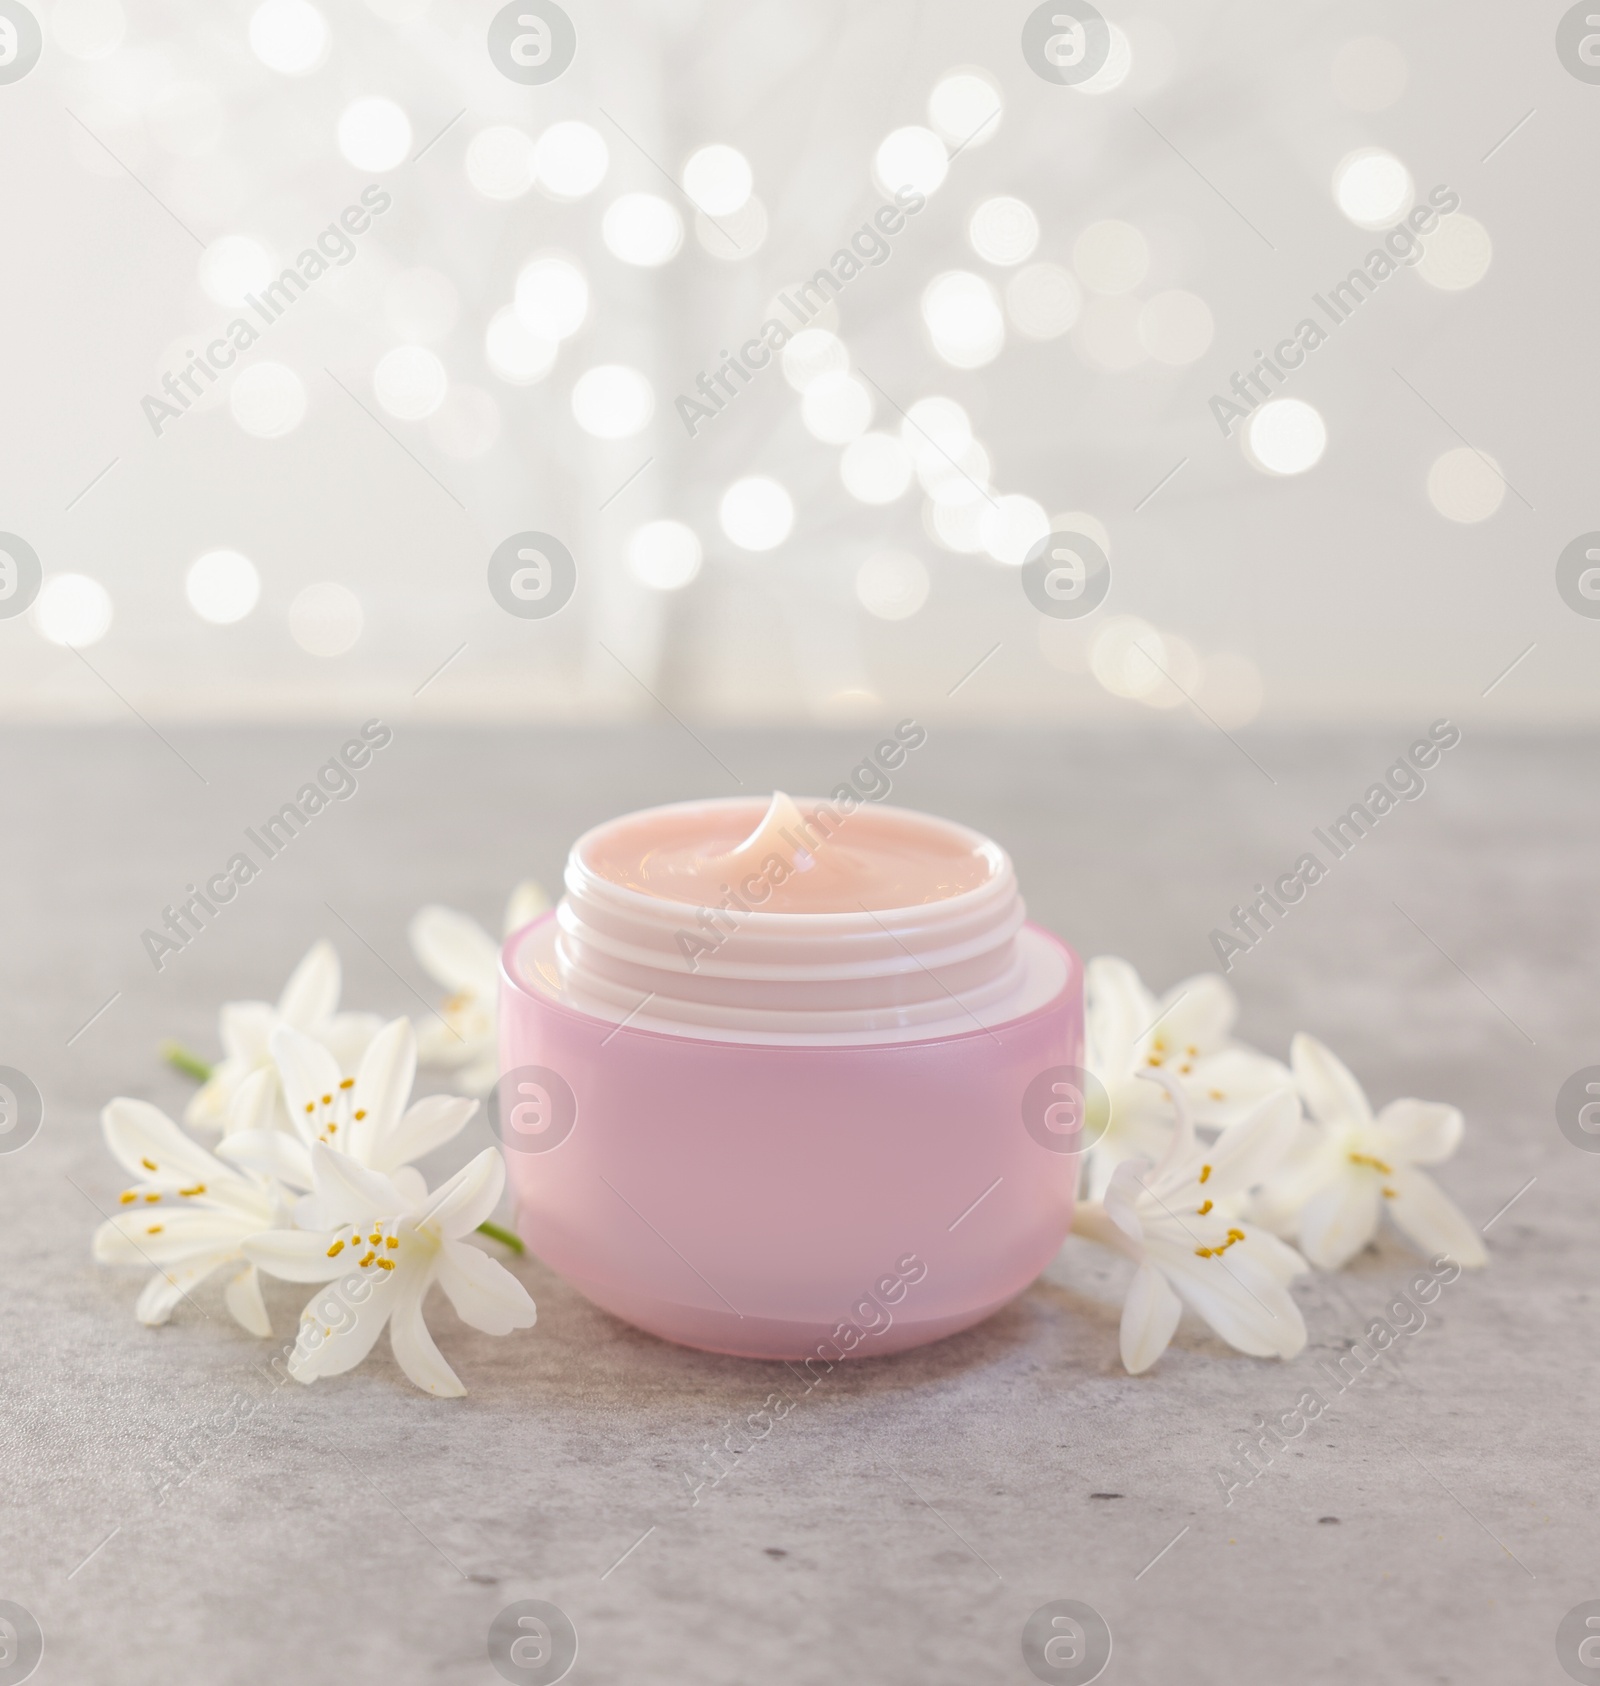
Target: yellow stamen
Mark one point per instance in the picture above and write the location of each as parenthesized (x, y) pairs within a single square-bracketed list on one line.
[(310, 1106), (1202, 1252), (348, 1083), (327, 1100), (335, 1249), (1204, 1209), (360, 1112), (385, 1264), (1205, 1172), (1217, 1095), (149, 1164), (153, 1229), (129, 1194), (1376, 1164), (152, 1198), (1388, 1194), (1236, 1235), (368, 1260), (394, 1240), (199, 1188)]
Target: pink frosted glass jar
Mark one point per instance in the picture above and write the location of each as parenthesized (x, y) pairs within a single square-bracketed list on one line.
[(776, 1125)]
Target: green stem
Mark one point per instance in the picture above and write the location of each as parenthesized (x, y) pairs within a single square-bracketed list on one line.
[(190, 1064), (506, 1237)]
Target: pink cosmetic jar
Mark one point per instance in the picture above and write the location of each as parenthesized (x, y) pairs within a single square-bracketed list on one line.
[(790, 1082)]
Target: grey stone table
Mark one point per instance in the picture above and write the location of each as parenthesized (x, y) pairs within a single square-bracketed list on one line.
[(169, 1516)]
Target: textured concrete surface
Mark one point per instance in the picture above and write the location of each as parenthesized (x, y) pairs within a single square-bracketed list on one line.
[(168, 1515)]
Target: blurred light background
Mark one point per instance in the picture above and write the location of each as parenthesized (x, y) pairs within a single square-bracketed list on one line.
[(559, 263)]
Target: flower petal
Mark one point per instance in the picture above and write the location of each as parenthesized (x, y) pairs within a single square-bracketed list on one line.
[(525, 905), (246, 1028), (1240, 1297), (146, 1143), (295, 1255), (1426, 1215), (255, 1103), (1149, 1315), (382, 1088), (413, 1346), (160, 1295), (1118, 1009), (1225, 1086), (1197, 1014), (347, 1036), (1331, 1093), (338, 1330), (456, 951), (1246, 1155), (312, 992), (274, 1153), (1421, 1132), (308, 1072), (484, 1293), (461, 1204), (243, 1298), (1339, 1219), (157, 1235), (433, 1121), (348, 1191)]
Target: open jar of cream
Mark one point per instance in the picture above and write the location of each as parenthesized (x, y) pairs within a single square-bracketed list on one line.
[(786, 1081)]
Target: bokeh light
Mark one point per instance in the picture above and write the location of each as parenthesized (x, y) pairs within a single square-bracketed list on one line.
[(1128, 656), (664, 555), (1108, 334), (1003, 231), (517, 354), (374, 134), (1175, 327), (1011, 526), (1373, 188), (552, 297), (836, 408), (965, 108), (267, 400), (912, 158), (1114, 72), (642, 229), (1456, 255), (612, 401), (72, 610), (757, 513), (222, 586), (234, 265), (1285, 436), (88, 29), (876, 468), (409, 381), (501, 162), (1043, 301), (289, 36), (812, 353), (571, 160), (1111, 257), (718, 179), (962, 313), (892, 584), (326, 619), (735, 234), (1465, 485)]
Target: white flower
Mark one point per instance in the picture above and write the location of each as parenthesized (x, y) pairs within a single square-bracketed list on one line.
[(390, 1250), (1350, 1166), (458, 953), (1178, 1224), (309, 1003), (187, 1213), (364, 1117), (1187, 1033)]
